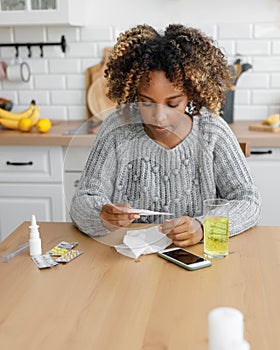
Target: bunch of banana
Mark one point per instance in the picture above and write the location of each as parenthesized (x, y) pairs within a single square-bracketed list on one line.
[(11, 120), (273, 120)]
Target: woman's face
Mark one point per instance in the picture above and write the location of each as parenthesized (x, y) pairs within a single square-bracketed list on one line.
[(162, 109)]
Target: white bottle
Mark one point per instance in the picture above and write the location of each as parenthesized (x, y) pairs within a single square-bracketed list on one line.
[(35, 246)]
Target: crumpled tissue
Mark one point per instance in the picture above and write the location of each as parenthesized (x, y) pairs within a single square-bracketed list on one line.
[(143, 241)]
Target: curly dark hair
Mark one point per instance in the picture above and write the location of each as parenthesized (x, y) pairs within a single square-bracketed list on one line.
[(189, 58)]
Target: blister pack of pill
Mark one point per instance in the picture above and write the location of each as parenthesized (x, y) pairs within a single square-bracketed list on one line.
[(44, 261), (62, 248), (68, 256)]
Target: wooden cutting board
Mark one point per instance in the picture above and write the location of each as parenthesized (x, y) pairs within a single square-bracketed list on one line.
[(98, 104), (260, 127)]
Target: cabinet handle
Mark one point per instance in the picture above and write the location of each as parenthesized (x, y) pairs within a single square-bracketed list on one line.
[(269, 151), (19, 163)]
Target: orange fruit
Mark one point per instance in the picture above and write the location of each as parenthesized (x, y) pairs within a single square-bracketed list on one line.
[(25, 124), (43, 125)]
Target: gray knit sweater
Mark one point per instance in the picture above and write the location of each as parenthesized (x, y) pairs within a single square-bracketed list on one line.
[(126, 165)]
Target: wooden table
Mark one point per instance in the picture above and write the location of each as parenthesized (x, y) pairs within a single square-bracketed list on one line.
[(103, 300)]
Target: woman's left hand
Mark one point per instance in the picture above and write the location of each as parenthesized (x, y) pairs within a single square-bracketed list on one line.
[(183, 231)]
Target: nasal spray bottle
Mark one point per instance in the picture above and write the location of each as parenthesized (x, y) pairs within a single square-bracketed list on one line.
[(35, 246)]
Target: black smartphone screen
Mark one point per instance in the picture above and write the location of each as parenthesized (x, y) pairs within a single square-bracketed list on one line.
[(183, 256)]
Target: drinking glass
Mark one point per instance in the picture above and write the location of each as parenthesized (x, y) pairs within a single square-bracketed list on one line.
[(216, 228)]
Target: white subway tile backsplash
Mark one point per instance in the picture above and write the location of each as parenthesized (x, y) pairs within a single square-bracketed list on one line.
[(76, 82), (266, 97), (70, 98), (38, 66), (276, 47), (41, 97), (102, 46), (17, 85), (82, 50), (253, 47), (64, 66), (97, 33), (10, 95), (267, 30), (209, 29), (53, 52), (242, 97), (235, 31), (266, 64), (58, 79), (49, 82), (274, 109), (257, 80), (8, 53), (275, 80), (54, 112), (227, 46), (250, 112), (30, 34), (71, 34), (77, 112)]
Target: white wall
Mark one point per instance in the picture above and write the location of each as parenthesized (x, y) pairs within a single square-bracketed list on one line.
[(127, 12), (248, 27)]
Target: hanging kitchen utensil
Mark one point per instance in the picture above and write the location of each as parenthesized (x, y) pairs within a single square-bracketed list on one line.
[(237, 68), (246, 66)]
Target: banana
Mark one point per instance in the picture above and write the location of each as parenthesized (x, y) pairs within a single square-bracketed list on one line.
[(13, 123), (9, 123), (35, 115), (17, 116)]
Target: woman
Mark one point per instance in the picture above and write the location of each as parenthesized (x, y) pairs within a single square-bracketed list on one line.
[(165, 148)]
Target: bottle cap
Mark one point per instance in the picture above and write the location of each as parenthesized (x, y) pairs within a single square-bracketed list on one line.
[(34, 233)]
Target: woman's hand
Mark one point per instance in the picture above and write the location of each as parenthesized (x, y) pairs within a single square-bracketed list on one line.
[(118, 215), (183, 231)]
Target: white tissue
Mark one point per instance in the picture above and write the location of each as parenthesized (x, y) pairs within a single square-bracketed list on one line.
[(144, 241)]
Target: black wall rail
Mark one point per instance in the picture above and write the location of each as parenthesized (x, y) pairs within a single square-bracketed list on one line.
[(62, 44)]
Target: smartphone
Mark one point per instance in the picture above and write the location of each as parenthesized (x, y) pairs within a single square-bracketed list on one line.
[(185, 259)]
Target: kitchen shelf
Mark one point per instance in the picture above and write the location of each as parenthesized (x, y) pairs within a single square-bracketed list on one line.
[(67, 12)]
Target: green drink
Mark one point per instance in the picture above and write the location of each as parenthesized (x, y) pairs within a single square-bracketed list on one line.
[(216, 237), (216, 228)]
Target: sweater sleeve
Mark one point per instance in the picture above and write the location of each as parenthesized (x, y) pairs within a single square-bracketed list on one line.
[(233, 180), (95, 189)]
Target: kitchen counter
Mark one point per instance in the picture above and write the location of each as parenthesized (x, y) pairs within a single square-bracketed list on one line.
[(255, 138), (57, 137)]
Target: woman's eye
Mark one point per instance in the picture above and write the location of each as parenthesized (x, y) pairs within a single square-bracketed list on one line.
[(146, 104), (173, 106)]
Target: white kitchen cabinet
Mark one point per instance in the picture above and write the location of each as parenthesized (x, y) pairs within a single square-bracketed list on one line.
[(265, 167), (31, 182), (74, 161), (42, 12)]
